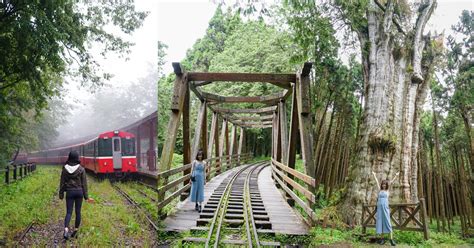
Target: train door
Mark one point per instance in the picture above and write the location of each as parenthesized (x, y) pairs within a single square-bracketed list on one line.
[(117, 153)]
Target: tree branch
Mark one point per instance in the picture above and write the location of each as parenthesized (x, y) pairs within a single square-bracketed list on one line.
[(418, 44), (399, 27)]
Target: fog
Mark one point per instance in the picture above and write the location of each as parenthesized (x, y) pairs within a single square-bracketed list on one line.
[(111, 107)]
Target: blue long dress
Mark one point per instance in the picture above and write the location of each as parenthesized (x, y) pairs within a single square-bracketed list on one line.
[(197, 187), (383, 224)]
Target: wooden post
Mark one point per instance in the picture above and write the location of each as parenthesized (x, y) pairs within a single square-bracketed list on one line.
[(14, 172), (278, 147), (233, 145), (241, 144), (293, 139), (198, 131), (177, 103), (7, 175), (305, 118), (426, 230), (227, 163), (284, 131), (186, 141), (212, 140), (221, 145), (204, 135), (274, 134)]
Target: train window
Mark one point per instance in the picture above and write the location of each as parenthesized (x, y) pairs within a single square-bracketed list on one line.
[(128, 147), (116, 145), (105, 147)]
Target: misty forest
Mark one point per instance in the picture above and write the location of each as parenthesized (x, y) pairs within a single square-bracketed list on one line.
[(48, 65), (386, 96)]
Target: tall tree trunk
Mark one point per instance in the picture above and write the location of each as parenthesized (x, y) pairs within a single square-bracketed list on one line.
[(397, 76)]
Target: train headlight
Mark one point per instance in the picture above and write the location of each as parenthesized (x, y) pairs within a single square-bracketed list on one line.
[(129, 162), (105, 163)]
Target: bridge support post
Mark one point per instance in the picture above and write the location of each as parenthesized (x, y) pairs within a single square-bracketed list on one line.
[(305, 119), (177, 103), (212, 142), (223, 141), (186, 142), (241, 144)]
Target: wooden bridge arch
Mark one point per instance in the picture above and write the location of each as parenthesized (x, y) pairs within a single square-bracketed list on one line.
[(295, 88)]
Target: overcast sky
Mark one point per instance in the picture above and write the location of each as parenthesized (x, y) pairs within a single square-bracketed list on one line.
[(182, 22)]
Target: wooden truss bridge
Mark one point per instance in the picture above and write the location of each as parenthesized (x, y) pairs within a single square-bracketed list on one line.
[(259, 196)]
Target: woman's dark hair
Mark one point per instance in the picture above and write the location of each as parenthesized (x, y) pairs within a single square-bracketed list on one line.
[(382, 184), (73, 158), (200, 152)]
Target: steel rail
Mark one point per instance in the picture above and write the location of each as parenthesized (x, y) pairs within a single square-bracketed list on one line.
[(136, 205)]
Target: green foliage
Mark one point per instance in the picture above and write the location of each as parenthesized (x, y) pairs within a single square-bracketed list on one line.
[(27, 200)]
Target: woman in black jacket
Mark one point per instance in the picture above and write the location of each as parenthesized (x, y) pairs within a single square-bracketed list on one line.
[(74, 183)]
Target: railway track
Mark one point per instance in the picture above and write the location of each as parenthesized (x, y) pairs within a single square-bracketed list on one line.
[(137, 206), (235, 214)]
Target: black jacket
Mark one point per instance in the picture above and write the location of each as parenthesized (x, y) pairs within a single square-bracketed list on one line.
[(73, 180)]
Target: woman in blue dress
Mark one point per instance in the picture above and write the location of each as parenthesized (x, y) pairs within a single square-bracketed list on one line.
[(382, 223), (198, 179)]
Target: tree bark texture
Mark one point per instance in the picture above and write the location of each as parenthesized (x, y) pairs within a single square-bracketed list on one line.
[(397, 75)]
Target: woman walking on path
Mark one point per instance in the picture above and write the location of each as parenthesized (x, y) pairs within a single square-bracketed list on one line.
[(198, 179), (74, 183), (382, 223)]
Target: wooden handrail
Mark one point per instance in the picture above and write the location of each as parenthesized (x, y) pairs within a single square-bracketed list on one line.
[(299, 201), (308, 194), (406, 214), (171, 185), (307, 179)]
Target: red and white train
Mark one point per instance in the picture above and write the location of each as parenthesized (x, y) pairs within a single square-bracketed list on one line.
[(106, 154)]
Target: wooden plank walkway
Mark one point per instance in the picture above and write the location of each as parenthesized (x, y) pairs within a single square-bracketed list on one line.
[(185, 216), (283, 217)]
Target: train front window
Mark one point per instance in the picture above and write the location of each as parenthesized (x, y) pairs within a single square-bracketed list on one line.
[(105, 147), (128, 146)]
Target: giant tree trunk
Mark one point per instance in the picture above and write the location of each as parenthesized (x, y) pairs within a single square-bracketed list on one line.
[(396, 81)]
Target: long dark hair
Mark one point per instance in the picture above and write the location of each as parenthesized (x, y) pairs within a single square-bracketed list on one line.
[(73, 158), (384, 182), (200, 152)]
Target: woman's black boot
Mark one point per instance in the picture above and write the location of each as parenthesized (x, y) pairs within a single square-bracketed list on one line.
[(392, 243), (196, 207), (381, 241)]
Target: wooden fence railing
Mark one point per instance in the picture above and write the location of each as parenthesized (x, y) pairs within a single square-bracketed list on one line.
[(283, 176), (406, 220), (214, 167), (17, 172)]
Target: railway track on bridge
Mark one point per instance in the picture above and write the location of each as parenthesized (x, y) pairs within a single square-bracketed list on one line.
[(235, 214)]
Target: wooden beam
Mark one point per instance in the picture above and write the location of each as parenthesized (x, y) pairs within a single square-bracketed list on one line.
[(222, 143), (233, 142), (284, 130), (241, 143), (305, 126), (178, 99), (248, 118), (196, 92), (240, 123), (186, 141), (247, 111), (280, 80), (198, 130), (269, 99), (292, 141), (211, 135)]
